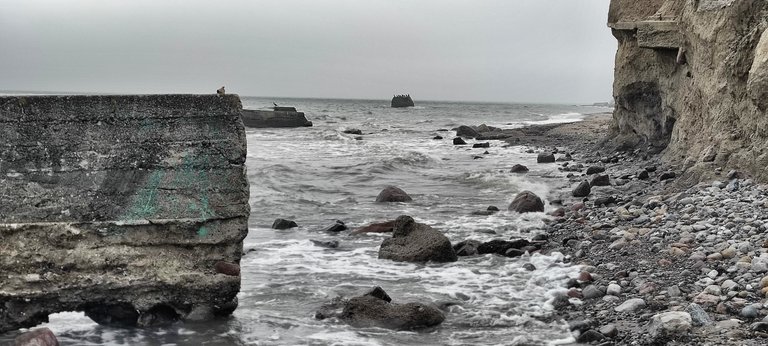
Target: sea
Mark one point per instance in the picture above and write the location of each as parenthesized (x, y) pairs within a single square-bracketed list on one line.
[(317, 175)]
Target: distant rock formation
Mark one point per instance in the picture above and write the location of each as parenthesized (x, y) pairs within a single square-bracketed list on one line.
[(280, 117), (401, 101), (691, 79)]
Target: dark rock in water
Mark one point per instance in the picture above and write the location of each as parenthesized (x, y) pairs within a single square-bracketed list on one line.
[(442, 130), (330, 309), (490, 211), (331, 244), (337, 227), (227, 268), (378, 292), (458, 141), (650, 169), (381, 227), (466, 132), (514, 252), (393, 194), (582, 190), (279, 118), (353, 132), (402, 101), (545, 158), (492, 208), (526, 202), (667, 176), (595, 169), (590, 336), (437, 137), (416, 242), (499, 246), (284, 224), (643, 175), (529, 267), (38, 337), (467, 248), (115, 315), (481, 145), (605, 201), (601, 180), (518, 168), (476, 157), (359, 138), (368, 311)]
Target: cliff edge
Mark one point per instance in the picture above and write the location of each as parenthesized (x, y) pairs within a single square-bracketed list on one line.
[(130, 208), (691, 80)]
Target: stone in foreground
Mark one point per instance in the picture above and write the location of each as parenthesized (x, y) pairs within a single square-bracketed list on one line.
[(375, 310), (669, 324), (416, 242), (38, 337), (120, 206)]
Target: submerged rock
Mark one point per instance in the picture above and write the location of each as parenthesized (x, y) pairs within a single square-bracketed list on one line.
[(380, 227), (416, 242), (38, 337), (459, 141), (393, 194), (284, 224), (337, 227), (526, 202), (518, 168), (467, 248), (466, 132)]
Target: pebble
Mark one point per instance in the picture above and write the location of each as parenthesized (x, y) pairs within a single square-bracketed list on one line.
[(592, 292), (668, 324), (698, 315), (630, 305), (749, 311), (609, 330), (613, 290)]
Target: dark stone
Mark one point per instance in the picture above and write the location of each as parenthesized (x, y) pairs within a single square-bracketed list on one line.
[(526, 202), (514, 252), (643, 175), (401, 101), (529, 267), (337, 227), (38, 337), (378, 292), (466, 132), (605, 201), (499, 246), (518, 168), (393, 194), (160, 315), (331, 309), (481, 145), (227, 268), (545, 158), (458, 141), (650, 169), (467, 248), (353, 132), (276, 119), (367, 311), (667, 176), (595, 169), (492, 208), (416, 242), (590, 336), (381, 227), (330, 244), (760, 327), (437, 137), (284, 224), (582, 190), (601, 180)]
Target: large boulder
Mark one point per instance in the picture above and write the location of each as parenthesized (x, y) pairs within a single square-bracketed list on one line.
[(466, 132), (416, 242), (393, 194), (518, 168), (526, 202), (545, 158), (375, 309)]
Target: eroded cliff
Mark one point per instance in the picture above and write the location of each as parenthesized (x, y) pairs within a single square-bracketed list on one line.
[(130, 208), (691, 79)]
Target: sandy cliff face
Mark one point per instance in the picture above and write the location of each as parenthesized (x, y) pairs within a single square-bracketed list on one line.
[(691, 79)]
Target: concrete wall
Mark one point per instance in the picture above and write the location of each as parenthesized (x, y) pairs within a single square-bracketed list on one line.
[(120, 206)]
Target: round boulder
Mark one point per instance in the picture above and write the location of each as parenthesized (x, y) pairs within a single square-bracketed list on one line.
[(393, 194), (526, 202), (583, 190), (545, 158), (518, 168)]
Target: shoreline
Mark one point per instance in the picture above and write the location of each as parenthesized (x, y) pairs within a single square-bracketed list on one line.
[(660, 264)]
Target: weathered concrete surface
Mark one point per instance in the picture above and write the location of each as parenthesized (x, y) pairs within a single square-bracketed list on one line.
[(277, 118), (120, 206), (703, 104)]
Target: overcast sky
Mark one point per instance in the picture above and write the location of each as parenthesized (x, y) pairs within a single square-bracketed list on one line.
[(556, 51)]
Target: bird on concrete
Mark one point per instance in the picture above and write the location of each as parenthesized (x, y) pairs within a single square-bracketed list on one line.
[(220, 91)]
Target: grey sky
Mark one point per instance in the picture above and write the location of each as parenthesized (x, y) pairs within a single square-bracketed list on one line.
[(507, 50)]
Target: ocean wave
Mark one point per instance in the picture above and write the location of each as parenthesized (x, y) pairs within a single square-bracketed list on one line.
[(570, 117)]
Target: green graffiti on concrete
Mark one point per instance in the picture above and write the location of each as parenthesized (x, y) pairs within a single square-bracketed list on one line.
[(145, 202)]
